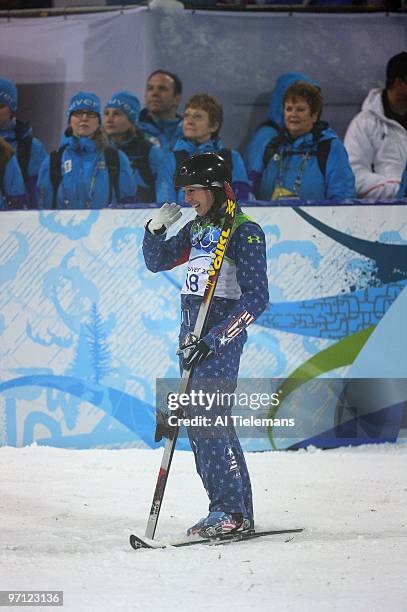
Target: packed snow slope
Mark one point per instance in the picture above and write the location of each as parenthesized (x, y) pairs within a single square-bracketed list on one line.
[(66, 516)]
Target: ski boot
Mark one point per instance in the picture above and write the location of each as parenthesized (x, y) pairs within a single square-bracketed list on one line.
[(219, 523)]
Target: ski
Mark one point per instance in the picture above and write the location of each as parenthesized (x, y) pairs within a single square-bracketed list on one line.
[(138, 542), (220, 250)]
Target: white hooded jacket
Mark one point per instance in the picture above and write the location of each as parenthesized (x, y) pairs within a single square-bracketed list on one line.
[(377, 149)]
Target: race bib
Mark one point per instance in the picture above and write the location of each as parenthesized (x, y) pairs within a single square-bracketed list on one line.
[(203, 243)]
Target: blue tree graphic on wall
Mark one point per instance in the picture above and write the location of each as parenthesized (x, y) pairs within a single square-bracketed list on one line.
[(81, 366), (98, 353), (92, 360)]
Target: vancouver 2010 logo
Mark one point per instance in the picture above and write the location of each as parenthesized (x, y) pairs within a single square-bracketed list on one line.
[(205, 238)]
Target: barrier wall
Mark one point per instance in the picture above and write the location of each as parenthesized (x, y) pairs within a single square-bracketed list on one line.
[(85, 328)]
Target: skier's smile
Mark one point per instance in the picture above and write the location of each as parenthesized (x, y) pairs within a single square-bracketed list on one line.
[(200, 198)]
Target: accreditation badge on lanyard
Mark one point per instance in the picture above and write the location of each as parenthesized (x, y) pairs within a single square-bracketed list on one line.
[(67, 166), (282, 193)]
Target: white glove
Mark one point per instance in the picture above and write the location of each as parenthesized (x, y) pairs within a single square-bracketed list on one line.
[(165, 216)]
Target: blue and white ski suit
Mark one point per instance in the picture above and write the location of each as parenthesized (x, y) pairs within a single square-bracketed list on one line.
[(241, 296)]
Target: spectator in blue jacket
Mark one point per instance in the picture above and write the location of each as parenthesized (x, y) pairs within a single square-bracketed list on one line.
[(85, 172), (269, 129), (159, 119), (203, 118), (29, 150), (12, 188), (120, 122), (305, 159)]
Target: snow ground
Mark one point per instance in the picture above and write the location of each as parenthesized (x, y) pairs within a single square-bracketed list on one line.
[(65, 519)]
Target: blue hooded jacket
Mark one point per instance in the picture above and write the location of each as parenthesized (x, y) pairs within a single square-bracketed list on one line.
[(12, 189), (294, 165), (160, 132), (240, 181), (254, 153), (37, 156), (85, 177), (154, 184)]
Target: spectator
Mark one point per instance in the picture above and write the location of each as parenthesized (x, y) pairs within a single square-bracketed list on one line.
[(202, 121), (12, 189), (85, 172), (159, 120), (30, 151), (254, 154), (376, 139), (120, 123), (306, 159)]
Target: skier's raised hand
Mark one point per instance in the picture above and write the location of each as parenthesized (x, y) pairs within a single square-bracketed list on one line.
[(164, 218)]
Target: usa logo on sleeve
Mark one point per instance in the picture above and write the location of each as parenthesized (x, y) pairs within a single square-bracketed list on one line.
[(236, 326)]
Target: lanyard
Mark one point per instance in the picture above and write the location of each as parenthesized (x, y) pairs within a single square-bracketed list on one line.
[(92, 186), (283, 161)]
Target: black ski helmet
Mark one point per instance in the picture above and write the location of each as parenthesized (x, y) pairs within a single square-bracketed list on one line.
[(208, 170), (203, 170)]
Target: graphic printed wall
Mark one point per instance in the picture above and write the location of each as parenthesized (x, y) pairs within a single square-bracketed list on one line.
[(85, 328)]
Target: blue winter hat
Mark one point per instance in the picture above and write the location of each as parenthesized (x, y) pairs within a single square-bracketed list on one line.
[(8, 94), (84, 100), (128, 103)]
